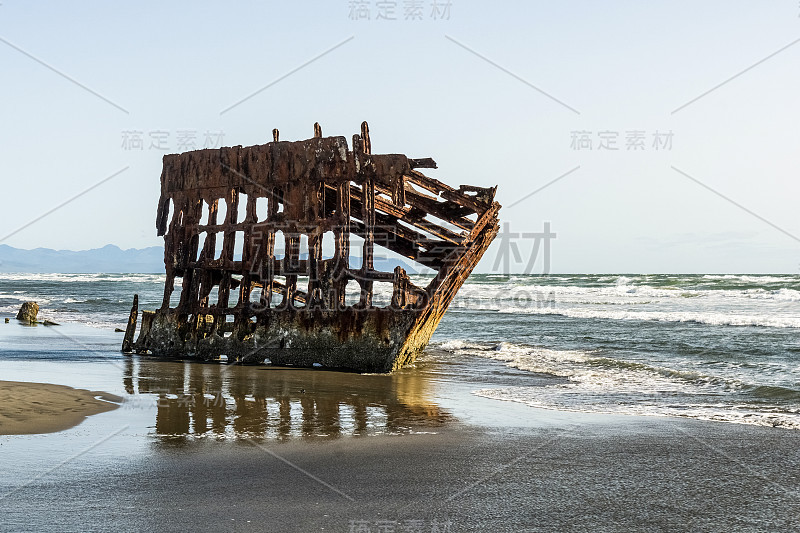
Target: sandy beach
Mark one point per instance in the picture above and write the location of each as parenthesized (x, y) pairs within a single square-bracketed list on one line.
[(635, 475), (208, 447), (45, 408)]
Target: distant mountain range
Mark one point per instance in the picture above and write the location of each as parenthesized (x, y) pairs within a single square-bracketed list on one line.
[(112, 259)]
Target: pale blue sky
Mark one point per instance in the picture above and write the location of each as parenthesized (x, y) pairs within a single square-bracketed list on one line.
[(623, 65)]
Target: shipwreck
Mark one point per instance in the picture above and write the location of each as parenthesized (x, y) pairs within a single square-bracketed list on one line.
[(256, 284)]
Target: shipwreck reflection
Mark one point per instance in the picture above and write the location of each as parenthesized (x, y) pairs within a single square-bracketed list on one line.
[(212, 400)]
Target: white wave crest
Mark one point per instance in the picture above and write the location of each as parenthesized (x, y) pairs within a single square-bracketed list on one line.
[(599, 384), (700, 317), (534, 397), (76, 278)]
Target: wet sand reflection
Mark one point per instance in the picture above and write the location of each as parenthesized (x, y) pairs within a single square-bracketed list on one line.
[(263, 402)]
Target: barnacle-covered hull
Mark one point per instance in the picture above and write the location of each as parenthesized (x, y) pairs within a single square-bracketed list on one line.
[(271, 291)]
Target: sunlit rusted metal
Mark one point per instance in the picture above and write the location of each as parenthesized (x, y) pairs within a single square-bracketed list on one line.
[(250, 305)]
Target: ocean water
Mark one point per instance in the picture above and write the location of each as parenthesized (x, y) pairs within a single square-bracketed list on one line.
[(715, 347)]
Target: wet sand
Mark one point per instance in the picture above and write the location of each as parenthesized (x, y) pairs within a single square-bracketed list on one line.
[(28, 408), (206, 447), (654, 475)]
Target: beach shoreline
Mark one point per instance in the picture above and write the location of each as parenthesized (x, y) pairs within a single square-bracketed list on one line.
[(617, 474), (34, 408), (212, 447)]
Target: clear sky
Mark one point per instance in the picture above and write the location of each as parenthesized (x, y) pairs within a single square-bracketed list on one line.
[(498, 93)]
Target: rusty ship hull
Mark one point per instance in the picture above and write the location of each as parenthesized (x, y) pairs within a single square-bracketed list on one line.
[(256, 285)]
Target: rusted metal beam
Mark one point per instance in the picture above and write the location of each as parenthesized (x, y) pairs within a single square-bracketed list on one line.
[(425, 162), (130, 330)]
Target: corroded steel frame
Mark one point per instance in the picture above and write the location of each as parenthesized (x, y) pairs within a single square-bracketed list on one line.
[(250, 305)]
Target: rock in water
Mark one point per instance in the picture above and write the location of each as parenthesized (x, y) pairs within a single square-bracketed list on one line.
[(28, 311)]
